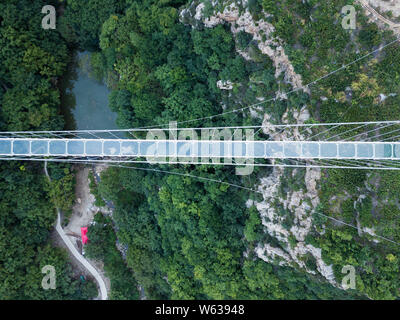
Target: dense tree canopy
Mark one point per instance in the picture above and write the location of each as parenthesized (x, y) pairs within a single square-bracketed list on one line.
[(192, 234), (31, 60), (189, 238)]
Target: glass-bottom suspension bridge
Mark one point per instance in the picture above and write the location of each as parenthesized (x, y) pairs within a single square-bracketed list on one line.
[(358, 145)]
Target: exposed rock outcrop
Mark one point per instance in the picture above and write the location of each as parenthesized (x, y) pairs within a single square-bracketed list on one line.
[(293, 250), (225, 85), (241, 20)]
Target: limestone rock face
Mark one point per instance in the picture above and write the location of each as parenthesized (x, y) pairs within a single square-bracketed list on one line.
[(243, 21), (300, 204), (272, 222), (225, 85)]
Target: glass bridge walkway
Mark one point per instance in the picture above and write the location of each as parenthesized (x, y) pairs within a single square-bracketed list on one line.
[(122, 148)]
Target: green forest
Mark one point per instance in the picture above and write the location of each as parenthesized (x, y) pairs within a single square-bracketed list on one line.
[(188, 238), (32, 61)]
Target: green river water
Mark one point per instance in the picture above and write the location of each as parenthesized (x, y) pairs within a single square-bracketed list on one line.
[(84, 100)]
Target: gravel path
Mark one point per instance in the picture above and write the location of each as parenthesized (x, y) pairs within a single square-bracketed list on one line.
[(394, 26), (77, 255)]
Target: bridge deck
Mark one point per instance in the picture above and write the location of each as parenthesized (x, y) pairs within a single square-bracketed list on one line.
[(29, 147)]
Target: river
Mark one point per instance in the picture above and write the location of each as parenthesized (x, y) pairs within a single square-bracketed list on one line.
[(84, 100)]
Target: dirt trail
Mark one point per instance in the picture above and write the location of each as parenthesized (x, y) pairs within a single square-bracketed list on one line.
[(103, 294), (387, 5), (395, 27), (84, 209), (82, 215)]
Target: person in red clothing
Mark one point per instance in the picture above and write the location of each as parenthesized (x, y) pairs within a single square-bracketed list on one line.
[(83, 234)]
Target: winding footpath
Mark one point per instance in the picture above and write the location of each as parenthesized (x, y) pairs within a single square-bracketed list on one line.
[(367, 6), (76, 254)]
